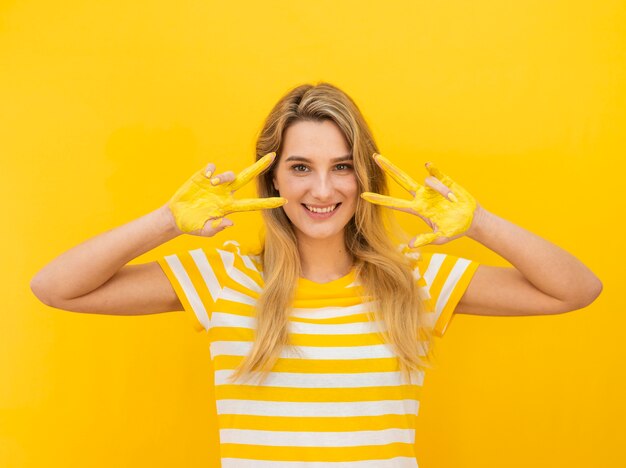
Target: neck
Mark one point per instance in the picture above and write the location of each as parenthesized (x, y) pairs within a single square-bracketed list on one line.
[(324, 260)]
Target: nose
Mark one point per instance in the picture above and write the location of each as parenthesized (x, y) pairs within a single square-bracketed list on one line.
[(322, 188)]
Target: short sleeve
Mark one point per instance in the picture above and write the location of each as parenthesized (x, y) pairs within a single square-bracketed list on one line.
[(195, 277), (442, 280)]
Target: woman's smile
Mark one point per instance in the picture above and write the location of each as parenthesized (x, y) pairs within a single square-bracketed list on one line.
[(321, 213)]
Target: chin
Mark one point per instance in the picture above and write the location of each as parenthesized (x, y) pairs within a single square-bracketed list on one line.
[(319, 235)]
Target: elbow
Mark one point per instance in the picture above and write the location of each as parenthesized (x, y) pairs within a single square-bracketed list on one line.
[(38, 290), (590, 295), (596, 290)]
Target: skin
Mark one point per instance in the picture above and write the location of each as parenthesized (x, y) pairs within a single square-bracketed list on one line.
[(544, 279), (444, 205), (201, 198), (318, 181)]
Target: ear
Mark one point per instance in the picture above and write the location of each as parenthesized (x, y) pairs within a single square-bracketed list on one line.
[(275, 184)]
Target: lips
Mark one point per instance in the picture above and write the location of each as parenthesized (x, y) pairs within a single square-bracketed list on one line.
[(335, 206), (315, 215)]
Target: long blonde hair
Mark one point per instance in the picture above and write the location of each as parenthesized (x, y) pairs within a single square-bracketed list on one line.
[(371, 237)]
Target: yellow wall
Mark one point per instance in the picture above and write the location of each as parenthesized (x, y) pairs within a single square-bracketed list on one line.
[(106, 108)]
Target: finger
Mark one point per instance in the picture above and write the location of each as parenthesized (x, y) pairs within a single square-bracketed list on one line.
[(434, 171), (209, 170), (385, 200), (435, 184), (249, 204), (223, 178), (252, 171), (204, 174), (221, 222), (423, 239), (397, 174)]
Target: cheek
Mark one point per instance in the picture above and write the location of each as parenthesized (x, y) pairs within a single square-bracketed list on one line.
[(351, 188)]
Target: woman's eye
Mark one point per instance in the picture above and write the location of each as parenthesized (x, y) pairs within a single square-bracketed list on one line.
[(303, 168)]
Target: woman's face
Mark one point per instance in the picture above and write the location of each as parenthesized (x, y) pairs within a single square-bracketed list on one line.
[(315, 170)]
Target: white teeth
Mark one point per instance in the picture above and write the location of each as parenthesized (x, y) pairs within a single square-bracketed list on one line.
[(321, 210)]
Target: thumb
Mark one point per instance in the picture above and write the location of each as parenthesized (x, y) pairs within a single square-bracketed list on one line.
[(423, 239), (221, 222)]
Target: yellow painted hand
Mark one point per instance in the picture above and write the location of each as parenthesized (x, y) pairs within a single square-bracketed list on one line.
[(443, 204), (201, 198)]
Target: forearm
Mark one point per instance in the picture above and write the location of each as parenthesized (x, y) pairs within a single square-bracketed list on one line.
[(90, 264), (548, 267)]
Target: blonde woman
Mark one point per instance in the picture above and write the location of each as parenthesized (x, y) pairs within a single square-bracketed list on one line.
[(320, 339)]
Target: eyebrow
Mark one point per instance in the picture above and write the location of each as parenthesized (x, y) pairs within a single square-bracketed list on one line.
[(347, 157)]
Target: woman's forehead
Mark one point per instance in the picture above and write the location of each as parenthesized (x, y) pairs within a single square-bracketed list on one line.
[(308, 138)]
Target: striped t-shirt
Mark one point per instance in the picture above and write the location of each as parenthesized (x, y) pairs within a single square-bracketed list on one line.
[(337, 397)]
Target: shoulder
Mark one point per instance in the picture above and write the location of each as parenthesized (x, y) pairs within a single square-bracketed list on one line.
[(434, 261), (217, 259), (247, 254)]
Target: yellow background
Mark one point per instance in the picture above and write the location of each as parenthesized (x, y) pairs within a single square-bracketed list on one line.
[(108, 107)]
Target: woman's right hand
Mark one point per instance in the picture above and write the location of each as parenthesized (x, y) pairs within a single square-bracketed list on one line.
[(202, 199)]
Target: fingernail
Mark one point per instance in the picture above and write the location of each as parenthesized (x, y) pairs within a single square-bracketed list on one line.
[(208, 173), (452, 197), (215, 180)]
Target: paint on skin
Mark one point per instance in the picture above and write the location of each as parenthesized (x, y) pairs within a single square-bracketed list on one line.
[(198, 200), (452, 215)]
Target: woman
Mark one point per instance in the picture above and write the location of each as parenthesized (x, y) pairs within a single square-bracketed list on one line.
[(336, 311)]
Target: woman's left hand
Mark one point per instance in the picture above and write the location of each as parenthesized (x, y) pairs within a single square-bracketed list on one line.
[(444, 205)]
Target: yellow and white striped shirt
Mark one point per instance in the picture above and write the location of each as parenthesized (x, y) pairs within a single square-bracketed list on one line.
[(337, 397)]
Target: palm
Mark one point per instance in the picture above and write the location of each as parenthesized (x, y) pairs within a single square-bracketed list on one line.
[(448, 219), (197, 200)]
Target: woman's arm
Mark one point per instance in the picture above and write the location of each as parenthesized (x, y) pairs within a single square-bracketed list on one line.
[(545, 279), (92, 263), (89, 276)]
